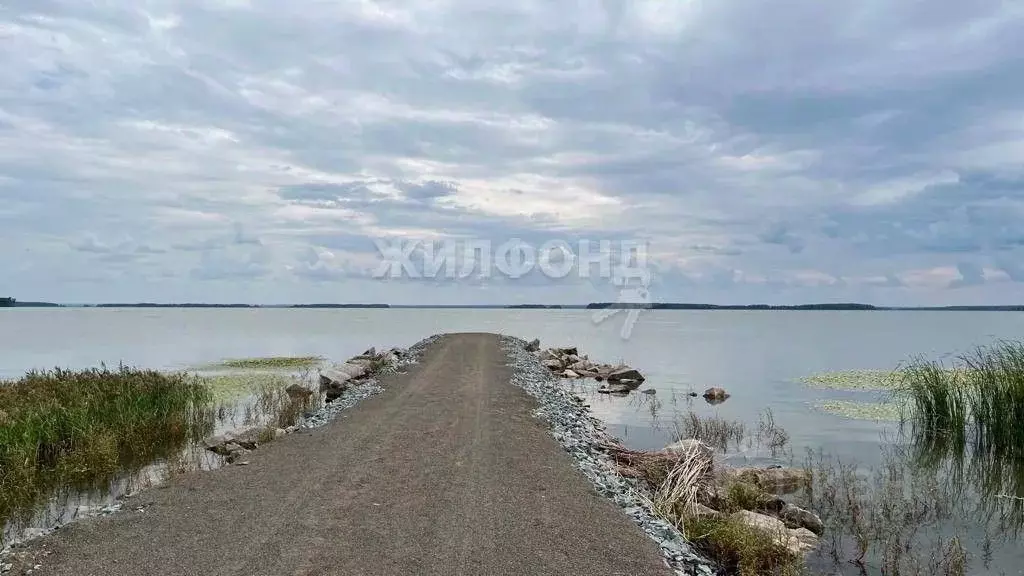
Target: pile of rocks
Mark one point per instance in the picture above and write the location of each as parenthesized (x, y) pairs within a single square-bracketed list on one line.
[(234, 446), (567, 363), (583, 438), (388, 363), (792, 527), (357, 370)]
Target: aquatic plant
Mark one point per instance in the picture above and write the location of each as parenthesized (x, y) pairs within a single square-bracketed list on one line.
[(877, 411), (852, 380), (80, 428), (272, 362), (979, 402), (235, 386), (894, 518), (712, 430)]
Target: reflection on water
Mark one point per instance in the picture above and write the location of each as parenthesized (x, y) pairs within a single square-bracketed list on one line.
[(266, 404), (758, 357), (71, 503)]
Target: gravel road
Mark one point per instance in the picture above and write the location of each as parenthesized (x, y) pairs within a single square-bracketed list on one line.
[(444, 473)]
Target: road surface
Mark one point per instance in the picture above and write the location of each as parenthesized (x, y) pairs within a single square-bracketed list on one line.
[(446, 473)]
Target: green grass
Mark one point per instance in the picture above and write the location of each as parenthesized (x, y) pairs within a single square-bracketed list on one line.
[(80, 428), (977, 404), (272, 363), (741, 549)]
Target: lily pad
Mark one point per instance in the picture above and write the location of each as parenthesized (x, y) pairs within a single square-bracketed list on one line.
[(240, 385), (853, 380), (877, 411), (271, 362)]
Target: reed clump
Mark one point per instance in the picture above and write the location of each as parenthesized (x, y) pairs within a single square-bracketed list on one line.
[(80, 428), (979, 403)]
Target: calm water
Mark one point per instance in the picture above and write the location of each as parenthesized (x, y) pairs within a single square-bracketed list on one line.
[(758, 356)]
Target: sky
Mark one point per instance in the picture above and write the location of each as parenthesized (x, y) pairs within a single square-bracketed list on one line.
[(763, 152)]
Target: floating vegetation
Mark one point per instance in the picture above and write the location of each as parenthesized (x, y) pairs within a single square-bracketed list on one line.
[(877, 411), (853, 380), (271, 363), (226, 387)]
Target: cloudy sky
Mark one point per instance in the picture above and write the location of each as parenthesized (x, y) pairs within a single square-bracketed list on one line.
[(252, 150)]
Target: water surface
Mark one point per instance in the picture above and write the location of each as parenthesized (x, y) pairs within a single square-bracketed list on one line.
[(758, 356)]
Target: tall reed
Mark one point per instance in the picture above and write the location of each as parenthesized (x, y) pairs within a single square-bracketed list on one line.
[(80, 428), (977, 404)]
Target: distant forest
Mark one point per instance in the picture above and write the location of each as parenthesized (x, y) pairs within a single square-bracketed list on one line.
[(11, 302)]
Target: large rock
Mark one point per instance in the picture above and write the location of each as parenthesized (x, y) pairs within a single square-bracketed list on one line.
[(570, 374), (333, 394), (355, 370), (331, 379), (796, 517), (550, 355), (552, 364), (298, 392), (714, 394), (799, 541), (626, 375), (581, 366), (533, 345), (762, 522), (778, 480), (572, 351)]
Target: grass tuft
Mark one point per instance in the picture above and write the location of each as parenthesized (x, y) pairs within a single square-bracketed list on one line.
[(79, 428), (740, 549)]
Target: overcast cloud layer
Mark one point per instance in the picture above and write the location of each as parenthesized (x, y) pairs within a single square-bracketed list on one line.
[(251, 150)]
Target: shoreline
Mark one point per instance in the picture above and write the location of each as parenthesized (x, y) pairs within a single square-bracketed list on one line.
[(582, 435), (208, 447)]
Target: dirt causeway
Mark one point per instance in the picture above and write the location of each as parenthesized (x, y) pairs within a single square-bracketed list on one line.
[(445, 473)]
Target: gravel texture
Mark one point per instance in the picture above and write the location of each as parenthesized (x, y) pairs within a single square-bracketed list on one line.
[(580, 434), (445, 472), (348, 399), (371, 387)]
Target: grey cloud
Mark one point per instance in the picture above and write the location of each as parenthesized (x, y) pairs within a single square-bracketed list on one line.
[(714, 138), (781, 233), (971, 274)]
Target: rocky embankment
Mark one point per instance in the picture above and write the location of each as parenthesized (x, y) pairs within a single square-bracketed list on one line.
[(635, 479), (343, 386), (584, 438)]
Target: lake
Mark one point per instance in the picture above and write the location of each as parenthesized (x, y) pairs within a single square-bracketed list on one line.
[(759, 357)]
